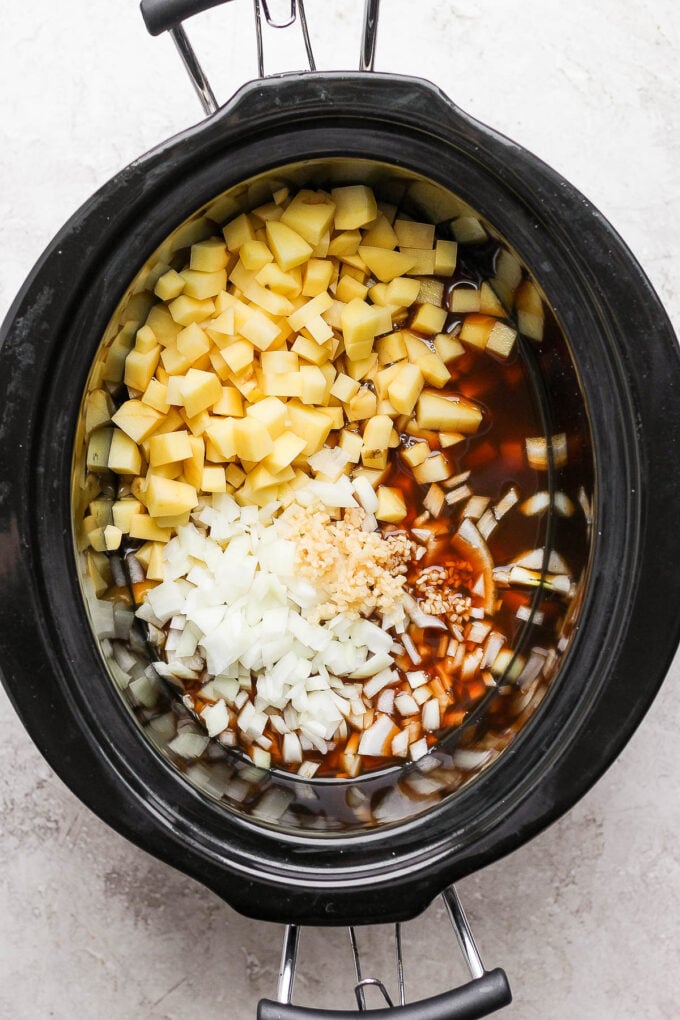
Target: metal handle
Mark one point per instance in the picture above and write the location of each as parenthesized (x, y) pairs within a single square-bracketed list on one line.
[(487, 992), (168, 15)]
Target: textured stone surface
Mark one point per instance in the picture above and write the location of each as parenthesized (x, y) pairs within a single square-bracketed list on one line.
[(586, 918)]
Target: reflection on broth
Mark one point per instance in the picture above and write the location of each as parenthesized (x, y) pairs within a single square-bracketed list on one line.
[(330, 525)]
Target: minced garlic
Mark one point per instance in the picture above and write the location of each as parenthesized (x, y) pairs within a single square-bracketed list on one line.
[(362, 572)]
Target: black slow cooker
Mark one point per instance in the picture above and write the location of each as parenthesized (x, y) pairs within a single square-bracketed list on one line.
[(608, 378)]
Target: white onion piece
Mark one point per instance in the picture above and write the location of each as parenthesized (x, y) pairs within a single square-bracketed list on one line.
[(376, 740), (189, 744), (465, 758), (215, 717), (405, 704), (418, 749), (430, 715), (411, 650), (366, 494), (420, 618)]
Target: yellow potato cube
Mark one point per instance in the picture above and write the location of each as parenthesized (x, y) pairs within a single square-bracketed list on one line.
[(445, 258), (254, 255), (344, 388), (501, 340), (203, 285), (168, 448), (165, 497), (345, 244), (351, 443), (156, 396), (273, 414), (140, 367), (123, 510), (209, 256), (137, 420), (423, 261), (416, 454), (402, 292), (145, 528), (309, 423), (386, 264), (449, 348), (288, 247), (391, 348), (468, 230), (238, 355), (174, 362), (310, 214), (185, 310), (145, 340), (465, 299), (98, 409), (380, 233), (435, 469), (192, 468), (355, 206), (319, 330), (430, 364), (476, 330), (405, 388), (429, 319), (261, 478), (348, 288), (384, 377), (154, 570), (362, 406), (414, 235), (163, 325), (447, 413), (260, 330), (530, 314), (112, 537), (316, 306), (168, 286), (279, 361), (222, 440), (235, 476), (363, 368), (281, 384), (391, 505), (251, 439), (285, 284), (124, 457), (287, 447), (230, 403), (359, 327), (199, 390), (174, 520), (238, 231), (448, 439), (489, 303), (198, 423), (335, 415), (316, 277), (376, 438), (313, 385), (193, 342), (214, 479)]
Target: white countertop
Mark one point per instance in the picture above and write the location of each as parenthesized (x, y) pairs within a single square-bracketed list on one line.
[(586, 918)]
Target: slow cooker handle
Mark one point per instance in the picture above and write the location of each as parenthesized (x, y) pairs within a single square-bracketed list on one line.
[(478, 998), (487, 992), (168, 15)]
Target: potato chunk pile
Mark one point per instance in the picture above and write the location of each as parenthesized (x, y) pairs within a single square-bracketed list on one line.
[(316, 320)]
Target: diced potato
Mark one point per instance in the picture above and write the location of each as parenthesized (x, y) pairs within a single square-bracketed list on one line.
[(209, 256), (348, 289), (164, 497), (423, 261), (309, 423), (402, 292), (145, 339), (351, 443), (355, 206), (359, 327), (447, 413), (489, 303), (251, 439), (448, 439), (384, 263), (156, 396), (310, 214), (260, 330), (143, 527), (376, 438), (140, 367), (501, 340), (448, 347), (429, 319), (286, 284), (405, 388), (185, 309), (530, 316), (465, 299), (254, 255), (335, 415), (416, 454), (313, 385), (168, 448), (430, 364), (286, 448), (192, 468), (435, 469), (316, 277), (344, 388), (308, 311), (200, 390), (230, 403), (123, 511), (112, 537), (174, 362), (310, 350), (391, 505), (476, 329), (288, 247), (154, 570), (235, 475), (238, 355), (124, 456), (391, 348), (163, 325), (344, 244), (414, 235), (380, 233), (362, 405), (222, 440), (445, 257), (193, 342), (168, 286), (468, 230), (238, 231), (136, 419), (203, 285), (281, 384), (213, 479), (98, 409)]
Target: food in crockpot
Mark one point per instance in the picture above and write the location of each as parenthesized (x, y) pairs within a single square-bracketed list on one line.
[(323, 430)]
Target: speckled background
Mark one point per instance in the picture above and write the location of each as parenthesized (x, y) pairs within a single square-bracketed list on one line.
[(586, 918)]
